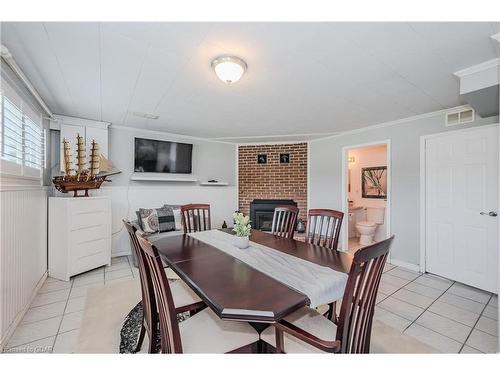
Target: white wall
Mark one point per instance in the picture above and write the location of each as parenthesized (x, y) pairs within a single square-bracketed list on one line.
[(211, 160), (325, 182)]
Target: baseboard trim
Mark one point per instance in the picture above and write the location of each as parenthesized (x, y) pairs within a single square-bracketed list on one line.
[(409, 266), (4, 340)]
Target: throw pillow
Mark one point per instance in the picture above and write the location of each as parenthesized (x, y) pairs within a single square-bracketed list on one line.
[(177, 216), (149, 220)]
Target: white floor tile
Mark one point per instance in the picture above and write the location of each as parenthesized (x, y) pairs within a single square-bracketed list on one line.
[(71, 321), (434, 339), (433, 281), (491, 312), (117, 266), (401, 308), (390, 319), (487, 325), (494, 301), (66, 342), (50, 297), (469, 292), (483, 341), (394, 280), (455, 313), (380, 297), (88, 279), (34, 331), (51, 310), (42, 346), (413, 298), (121, 279), (388, 267), (387, 288), (424, 290), (468, 350), (75, 304), (444, 326), (54, 286), (81, 291), (403, 273), (118, 274), (461, 302)]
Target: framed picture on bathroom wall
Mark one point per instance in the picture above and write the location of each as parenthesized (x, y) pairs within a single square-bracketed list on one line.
[(374, 182)]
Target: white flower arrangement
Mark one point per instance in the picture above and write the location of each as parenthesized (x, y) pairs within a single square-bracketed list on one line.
[(242, 225)]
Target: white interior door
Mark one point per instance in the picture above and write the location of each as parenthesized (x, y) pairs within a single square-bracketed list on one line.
[(461, 203)]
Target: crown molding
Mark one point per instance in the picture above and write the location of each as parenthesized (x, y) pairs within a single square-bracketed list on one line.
[(478, 68)]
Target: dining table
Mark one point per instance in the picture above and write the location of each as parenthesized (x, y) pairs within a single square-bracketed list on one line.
[(274, 277)]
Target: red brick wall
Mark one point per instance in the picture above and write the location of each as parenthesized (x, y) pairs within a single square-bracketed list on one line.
[(273, 180)]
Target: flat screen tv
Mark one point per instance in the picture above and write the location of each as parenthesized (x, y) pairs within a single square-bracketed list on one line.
[(162, 156)]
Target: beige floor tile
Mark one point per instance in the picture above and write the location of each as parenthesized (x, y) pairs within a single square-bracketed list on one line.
[(50, 297), (88, 279), (51, 310), (34, 331), (394, 280), (81, 291), (483, 341), (468, 350), (444, 326), (487, 325), (380, 297), (401, 308), (66, 342), (494, 301), (433, 339), (404, 273), (42, 346), (116, 260), (413, 298), (71, 321), (455, 313), (75, 304), (461, 302), (469, 292), (491, 312), (388, 267), (118, 274), (390, 319), (117, 266), (424, 290), (433, 281), (54, 286), (387, 288)]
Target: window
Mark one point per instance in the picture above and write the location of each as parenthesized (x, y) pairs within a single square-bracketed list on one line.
[(22, 137)]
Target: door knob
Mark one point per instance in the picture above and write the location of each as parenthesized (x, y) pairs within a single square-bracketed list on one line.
[(491, 213)]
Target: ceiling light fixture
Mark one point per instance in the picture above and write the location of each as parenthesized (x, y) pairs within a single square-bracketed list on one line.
[(229, 69)]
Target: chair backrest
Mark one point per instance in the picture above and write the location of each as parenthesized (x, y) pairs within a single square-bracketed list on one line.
[(169, 327), (358, 304), (323, 227), (284, 221), (196, 217), (148, 301)]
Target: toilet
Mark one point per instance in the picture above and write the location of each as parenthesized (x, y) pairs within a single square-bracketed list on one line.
[(366, 229)]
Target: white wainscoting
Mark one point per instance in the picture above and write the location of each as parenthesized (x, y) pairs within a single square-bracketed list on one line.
[(126, 200), (23, 252)]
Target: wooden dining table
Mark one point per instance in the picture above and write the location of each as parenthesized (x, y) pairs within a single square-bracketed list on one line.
[(235, 290)]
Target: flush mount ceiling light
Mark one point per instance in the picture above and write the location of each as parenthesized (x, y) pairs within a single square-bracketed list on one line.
[(229, 69)]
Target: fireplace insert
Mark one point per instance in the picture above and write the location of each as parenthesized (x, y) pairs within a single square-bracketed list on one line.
[(262, 211)]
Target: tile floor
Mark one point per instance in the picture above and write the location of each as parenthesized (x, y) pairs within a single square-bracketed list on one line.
[(443, 314)]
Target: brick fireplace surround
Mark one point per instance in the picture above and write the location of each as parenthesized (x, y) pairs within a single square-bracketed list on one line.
[(273, 180)]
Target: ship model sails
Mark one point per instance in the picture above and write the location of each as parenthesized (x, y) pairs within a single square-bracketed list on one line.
[(82, 178)]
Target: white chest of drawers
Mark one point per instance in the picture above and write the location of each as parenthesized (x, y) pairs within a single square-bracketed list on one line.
[(79, 235)]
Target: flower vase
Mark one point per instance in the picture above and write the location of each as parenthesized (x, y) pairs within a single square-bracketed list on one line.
[(241, 242)]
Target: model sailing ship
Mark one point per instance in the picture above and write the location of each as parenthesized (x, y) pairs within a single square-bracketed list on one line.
[(82, 178)]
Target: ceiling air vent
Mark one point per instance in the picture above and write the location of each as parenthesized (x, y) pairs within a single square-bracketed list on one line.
[(460, 117)]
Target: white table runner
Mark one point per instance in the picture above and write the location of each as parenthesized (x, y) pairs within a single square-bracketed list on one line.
[(321, 284)]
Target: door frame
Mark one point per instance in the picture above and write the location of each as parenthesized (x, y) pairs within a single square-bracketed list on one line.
[(344, 235), (423, 170)]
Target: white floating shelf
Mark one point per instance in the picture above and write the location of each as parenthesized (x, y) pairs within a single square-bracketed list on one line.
[(220, 183), (163, 177)]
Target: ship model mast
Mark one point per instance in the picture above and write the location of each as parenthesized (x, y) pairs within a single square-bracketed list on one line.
[(82, 178)]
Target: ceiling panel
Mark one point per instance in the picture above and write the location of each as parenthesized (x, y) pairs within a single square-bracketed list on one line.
[(301, 78)]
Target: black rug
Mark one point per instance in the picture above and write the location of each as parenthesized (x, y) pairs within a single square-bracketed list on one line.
[(129, 334)]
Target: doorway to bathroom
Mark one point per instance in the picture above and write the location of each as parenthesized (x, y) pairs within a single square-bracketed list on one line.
[(366, 194)]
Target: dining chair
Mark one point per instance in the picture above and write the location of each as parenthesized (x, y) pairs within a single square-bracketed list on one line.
[(307, 331), (323, 229), (184, 298), (284, 221), (204, 332), (192, 215)]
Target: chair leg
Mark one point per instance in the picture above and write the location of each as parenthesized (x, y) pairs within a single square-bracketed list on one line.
[(140, 339), (152, 343), (331, 314)]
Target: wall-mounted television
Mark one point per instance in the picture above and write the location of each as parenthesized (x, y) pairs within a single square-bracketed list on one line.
[(162, 156)]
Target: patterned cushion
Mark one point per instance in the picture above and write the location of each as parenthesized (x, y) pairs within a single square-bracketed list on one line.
[(157, 219), (177, 216)]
